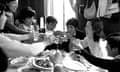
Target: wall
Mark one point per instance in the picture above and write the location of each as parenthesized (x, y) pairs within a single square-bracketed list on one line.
[(112, 25), (38, 5)]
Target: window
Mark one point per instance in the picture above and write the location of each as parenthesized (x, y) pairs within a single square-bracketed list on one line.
[(61, 10)]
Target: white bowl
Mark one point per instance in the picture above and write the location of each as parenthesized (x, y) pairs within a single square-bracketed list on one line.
[(40, 67), (73, 65)]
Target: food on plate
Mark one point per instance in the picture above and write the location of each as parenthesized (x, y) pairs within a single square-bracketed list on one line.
[(43, 63)]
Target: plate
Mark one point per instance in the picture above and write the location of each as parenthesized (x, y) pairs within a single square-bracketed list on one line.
[(73, 65), (43, 63)]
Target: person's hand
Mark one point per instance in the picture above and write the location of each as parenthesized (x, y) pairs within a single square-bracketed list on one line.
[(9, 17), (34, 35), (57, 58), (50, 39), (75, 56), (69, 36), (41, 37), (58, 33), (77, 43)]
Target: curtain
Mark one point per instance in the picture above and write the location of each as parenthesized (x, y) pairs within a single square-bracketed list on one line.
[(78, 8)]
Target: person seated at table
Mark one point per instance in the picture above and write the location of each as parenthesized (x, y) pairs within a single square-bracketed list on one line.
[(94, 42), (19, 37), (14, 48), (25, 22), (95, 38), (111, 64), (10, 26), (72, 31), (91, 30), (26, 35), (25, 19), (51, 23)]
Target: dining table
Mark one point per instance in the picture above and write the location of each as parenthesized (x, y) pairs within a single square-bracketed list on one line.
[(67, 64), (92, 70)]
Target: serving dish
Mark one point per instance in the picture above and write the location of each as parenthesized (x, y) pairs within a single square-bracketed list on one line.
[(43, 63)]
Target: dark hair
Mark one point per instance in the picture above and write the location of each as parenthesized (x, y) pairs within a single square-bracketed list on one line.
[(51, 19), (27, 12), (2, 8), (97, 27), (74, 22)]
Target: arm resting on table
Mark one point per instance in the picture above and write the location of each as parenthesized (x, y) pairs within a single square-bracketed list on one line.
[(15, 48), (15, 29), (103, 63)]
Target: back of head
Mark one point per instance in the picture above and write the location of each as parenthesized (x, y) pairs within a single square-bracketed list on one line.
[(97, 25), (26, 12)]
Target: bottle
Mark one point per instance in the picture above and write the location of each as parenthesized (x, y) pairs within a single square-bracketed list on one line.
[(42, 25)]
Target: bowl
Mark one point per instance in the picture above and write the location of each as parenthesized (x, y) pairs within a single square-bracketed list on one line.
[(43, 64)]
